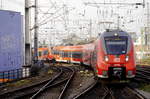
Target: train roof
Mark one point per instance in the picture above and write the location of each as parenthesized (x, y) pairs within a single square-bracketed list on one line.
[(114, 33), (42, 48), (69, 48), (73, 48), (89, 46), (57, 47)]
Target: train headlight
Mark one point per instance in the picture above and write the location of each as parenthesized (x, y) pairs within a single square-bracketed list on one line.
[(127, 58), (115, 34), (106, 58)]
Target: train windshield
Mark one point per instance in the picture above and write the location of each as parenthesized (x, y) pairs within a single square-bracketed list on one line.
[(116, 45)]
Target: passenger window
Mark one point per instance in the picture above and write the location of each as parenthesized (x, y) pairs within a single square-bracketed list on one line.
[(40, 53)]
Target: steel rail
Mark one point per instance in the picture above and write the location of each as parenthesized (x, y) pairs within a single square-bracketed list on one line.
[(21, 90), (67, 84), (41, 89), (140, 96), (85, 91), (50, 84), (108, 92)]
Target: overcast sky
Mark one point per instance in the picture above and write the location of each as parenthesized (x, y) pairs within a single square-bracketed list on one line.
[(18, 5), (13, 5), (133, 18)]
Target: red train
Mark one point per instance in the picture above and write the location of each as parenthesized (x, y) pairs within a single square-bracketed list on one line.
[(111, 55), (69, 54)]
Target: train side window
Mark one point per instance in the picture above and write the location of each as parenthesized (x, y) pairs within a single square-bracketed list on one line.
[(94, 53), (65, 54), (53, 52), (76, 55), (45, 52), (62, 54), (57, 52), (40, 53), (69, 54)]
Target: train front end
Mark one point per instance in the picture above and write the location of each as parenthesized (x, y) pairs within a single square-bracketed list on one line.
[(116, 56)]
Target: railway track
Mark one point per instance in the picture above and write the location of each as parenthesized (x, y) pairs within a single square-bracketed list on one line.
[(85, 91), (143, 74), (29, 90), (133, 93), (108, 93), (99, 91), (62, 83), (56, 88)]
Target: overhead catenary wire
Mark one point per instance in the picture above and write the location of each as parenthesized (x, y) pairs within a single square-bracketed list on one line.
[(53, 6), (51, 19), (43, 21)]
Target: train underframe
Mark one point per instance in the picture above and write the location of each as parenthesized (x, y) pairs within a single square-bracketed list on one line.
[(114, 74)]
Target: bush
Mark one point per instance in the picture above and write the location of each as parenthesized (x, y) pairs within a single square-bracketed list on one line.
[(146, 61), (36, 68)]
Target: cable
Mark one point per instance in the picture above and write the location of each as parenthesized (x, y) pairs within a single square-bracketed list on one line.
[(52, 15), (51, 19), (49, 8)]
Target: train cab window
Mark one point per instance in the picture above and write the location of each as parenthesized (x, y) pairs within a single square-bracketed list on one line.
[(116, 45)]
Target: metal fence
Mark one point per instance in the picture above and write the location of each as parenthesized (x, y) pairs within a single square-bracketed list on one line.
[(12, 75)]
